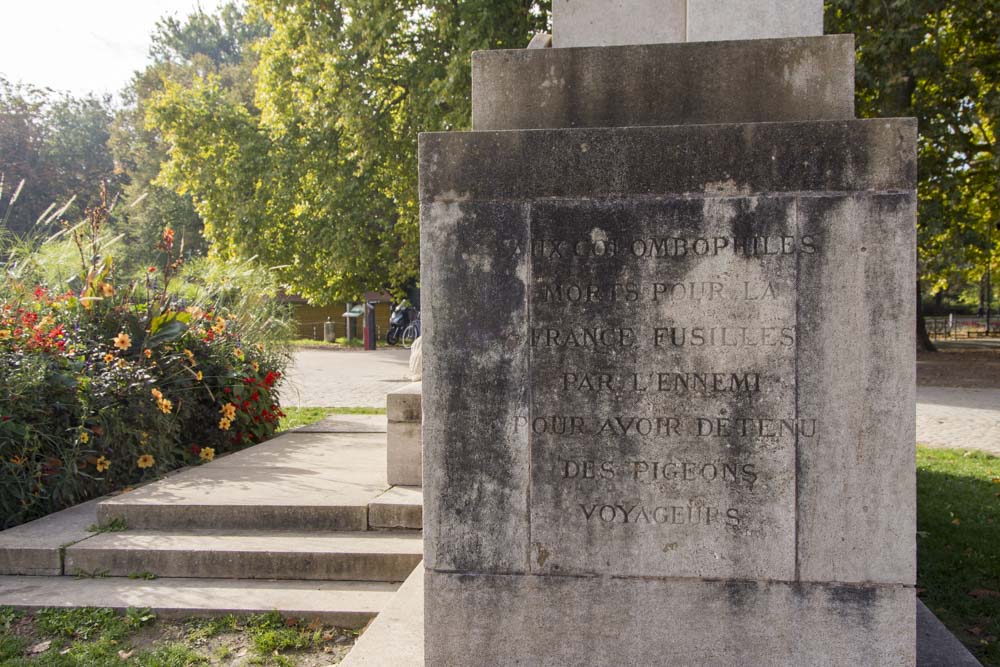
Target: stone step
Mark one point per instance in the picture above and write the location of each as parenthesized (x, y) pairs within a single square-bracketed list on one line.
[(37, 547), (349, 604), (399, 507), (299, 481), (396, 637), (369, 556)]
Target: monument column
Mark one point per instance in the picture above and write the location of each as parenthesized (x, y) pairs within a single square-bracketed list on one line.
[(668, 375)]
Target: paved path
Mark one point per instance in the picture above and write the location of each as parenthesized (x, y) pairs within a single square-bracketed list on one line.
[(344, 378), (959, 418)]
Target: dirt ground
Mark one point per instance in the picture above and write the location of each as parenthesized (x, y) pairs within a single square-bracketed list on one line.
[(973, 364)]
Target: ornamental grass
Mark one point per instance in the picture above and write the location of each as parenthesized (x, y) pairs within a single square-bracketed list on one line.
[(107, 382)]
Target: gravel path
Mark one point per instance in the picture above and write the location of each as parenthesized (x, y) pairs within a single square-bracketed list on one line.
[(344, 378), (959, 418)]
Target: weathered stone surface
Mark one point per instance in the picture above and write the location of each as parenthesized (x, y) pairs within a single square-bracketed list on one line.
[(610, 22), (403, 404), (647, 372), (857, 504), (403, 454), (664, 84), (399, 507), (474, 385), (349, 604), (35, 547), (710, 20), (820, 156), (353, 556), (297, 481), (531, 620), (397, 635), (936, 646)]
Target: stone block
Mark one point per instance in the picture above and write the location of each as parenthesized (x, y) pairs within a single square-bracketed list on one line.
[(712, 20), (503, 170), (403, 405), (403, 454), (484, 620), (615, 22), (620, 22), (36, 547), (672, 380), (664, 84)]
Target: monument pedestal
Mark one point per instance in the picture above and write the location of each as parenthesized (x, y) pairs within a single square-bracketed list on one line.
[(669, 384)]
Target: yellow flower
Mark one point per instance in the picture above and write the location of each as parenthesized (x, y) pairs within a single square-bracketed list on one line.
[(228, 411), (108, 358), (165, 405), (189, 354), (145, 461), (4, 334), (107, 289), (103, 464), (220, 325), (224, 424), (84, 437), (206, 454), (123, 341), (144, 437), (147, 352), (199, 376), (256, 366), (238, 353), (157, 394)]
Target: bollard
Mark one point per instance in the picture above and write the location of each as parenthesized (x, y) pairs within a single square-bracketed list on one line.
[(328, 335)]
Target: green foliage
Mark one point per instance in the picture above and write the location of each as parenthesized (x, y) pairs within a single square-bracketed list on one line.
[(113, 382), (89, 622), (958, 544), (938, 61), (57, 145), (318, 174)]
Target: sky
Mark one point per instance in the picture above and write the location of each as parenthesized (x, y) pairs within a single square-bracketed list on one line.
[(82, 46)]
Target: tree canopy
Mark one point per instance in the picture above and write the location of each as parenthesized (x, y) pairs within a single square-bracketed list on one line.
[(937, 60), (318, 173)]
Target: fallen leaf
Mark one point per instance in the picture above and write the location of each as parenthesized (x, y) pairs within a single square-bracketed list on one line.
[(329, 636), (291, 622), (66, 650), (327, 649), (983, 593), (125, 655), (956, 521), (40, 647)]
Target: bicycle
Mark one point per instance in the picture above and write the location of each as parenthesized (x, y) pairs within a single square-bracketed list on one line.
[(412, 332)]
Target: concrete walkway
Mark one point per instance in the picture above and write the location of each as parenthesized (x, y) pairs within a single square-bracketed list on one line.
[(344, 378), (959, 418)]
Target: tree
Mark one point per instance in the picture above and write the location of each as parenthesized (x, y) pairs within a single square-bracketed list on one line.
[(182, 51), (56, 144), (319, 173), (937, 60)]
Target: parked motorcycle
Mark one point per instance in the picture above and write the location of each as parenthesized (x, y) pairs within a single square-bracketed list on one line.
[(398, 321)]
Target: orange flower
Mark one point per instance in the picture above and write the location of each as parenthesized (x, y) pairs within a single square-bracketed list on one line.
[(206, 454), (107, 289), (165, 405), (123, 341), (147, 353), (145, 461), (108, 358), (103, 464), (220, 325), (157, 394), (224, 424), (228, 411)]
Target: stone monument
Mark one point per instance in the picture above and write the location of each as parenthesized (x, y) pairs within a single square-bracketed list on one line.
[(668, 376)]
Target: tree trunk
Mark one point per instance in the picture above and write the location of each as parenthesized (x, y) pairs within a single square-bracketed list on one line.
[(923, 339)]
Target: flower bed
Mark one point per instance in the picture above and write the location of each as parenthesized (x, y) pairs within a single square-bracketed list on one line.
[(108, 384)]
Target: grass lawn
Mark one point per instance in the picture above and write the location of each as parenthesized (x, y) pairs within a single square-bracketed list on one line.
[(100, 637), (958, 545), (338, 344), (295, 417)]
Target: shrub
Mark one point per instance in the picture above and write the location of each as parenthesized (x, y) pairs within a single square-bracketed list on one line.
[(113, 382)]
